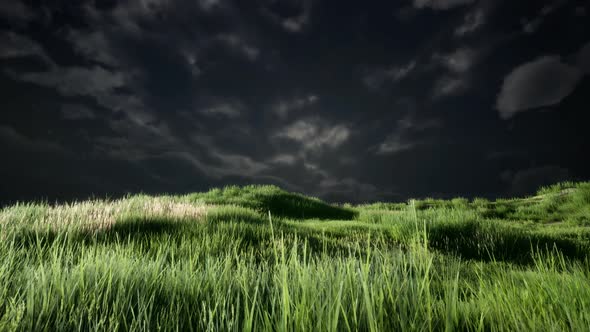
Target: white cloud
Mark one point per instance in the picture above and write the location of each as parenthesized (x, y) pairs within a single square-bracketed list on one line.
[(128, 14), (544, 81), (459, 65), (283, 107), (471, 22), (459, 61), (225, 163), (208, 5), (449, 86), (192, 62), (76, 81), (15, 46), (440, 4), (314, 135), (296, 24), (410, 122), (238, 44), (293, 24), (394, 144), (532, 25), (284, 159), (375, 79), (76, 112), (240, 164), (231, 109), (94, 46), (300, 131), (399, 73), (397, 141)]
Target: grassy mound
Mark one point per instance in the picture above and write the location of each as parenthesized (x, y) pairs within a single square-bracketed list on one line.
[(566, 201), (274, 199), (563, 202)]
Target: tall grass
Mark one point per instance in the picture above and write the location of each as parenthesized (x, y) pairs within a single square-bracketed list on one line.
[(197, 263)]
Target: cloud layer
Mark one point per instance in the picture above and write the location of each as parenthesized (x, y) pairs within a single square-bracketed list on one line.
[(343, 100)]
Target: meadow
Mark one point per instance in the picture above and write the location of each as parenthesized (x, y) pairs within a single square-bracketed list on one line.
[(258, 258)]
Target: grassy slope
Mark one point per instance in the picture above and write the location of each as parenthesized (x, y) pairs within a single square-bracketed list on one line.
[(215, 261)]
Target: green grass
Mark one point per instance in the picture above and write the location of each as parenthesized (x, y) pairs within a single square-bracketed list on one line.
[(281, 203), (217, 261)]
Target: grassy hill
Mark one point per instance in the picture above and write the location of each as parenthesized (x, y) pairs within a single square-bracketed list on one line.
[(220, 261)]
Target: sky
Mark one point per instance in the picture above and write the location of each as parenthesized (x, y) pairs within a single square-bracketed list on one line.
[(349, 101)]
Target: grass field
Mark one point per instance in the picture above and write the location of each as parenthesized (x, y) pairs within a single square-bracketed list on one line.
[(221, 261)]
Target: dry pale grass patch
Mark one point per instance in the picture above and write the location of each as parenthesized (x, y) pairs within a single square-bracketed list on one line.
[(176, 210), (101, 215)]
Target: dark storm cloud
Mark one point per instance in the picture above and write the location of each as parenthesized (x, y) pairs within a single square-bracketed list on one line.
[(16, 12), (344, 100), (104, 85), (583, 58), (17, 140), (440, 4), (523, 182)]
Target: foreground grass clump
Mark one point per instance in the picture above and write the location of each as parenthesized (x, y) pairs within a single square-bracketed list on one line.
[(218, 261)]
